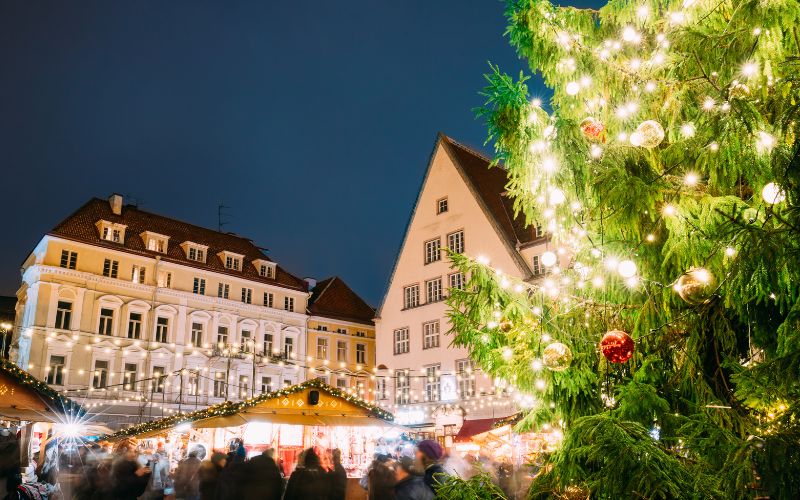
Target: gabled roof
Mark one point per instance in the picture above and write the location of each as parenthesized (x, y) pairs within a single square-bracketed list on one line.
[(488, 183), (80, 226), (332, 298)]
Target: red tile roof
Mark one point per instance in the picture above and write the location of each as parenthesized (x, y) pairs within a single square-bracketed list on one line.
[(332, 298), (80, 226)]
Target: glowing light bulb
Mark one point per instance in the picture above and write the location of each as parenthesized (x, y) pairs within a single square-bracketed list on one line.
[(691, 179), (557, 196), (611, 263), (507, 353), (548, 259), (536, 103), (772, 193), (642, 12), (669, 210), (756, 31), (730, 251), (598, 281), (541, 384), (765, 141), (573, 88), (708, 104), (688, 130), (549, 164), (749, 69), (650, 86), (627, 269), (596, 151), (629, 34), (483, 260), (714, 147), (677, 17)]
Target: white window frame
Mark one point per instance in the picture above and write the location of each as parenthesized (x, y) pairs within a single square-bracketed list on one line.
[(466, 382), (402, 341), (69, 259), (456, 280), (161, 334), (105, 325), (411, 296), (63, 316), (433, 251), (138, 274), (288, 304), (322, 348), (130, 323), (56, 377), (455, 241), (110, 268), (361, 354), (433, 290), (442, 206), (269, 299), (223, 290), (101, 377), (536, 265), (199, 286), (430, 334), (402, 386), (341, 351), (247, 295), (433, 383)]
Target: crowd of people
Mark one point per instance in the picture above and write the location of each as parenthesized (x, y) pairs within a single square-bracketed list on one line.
[(128, 474)]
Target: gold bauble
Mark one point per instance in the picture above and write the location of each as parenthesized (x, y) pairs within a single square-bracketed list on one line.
[(738, 91), (649, 134), (506, 326), (557, 357), (696, 286)]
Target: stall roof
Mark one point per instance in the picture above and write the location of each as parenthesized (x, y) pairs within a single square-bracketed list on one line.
[(472, 427), (286, 406), (24, 397)]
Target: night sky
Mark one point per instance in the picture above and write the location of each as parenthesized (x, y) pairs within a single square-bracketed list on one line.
[(313, 121)]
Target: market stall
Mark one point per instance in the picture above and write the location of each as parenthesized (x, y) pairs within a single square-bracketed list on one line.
[(310, 414)]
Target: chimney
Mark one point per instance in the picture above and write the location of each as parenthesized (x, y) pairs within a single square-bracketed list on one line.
[(115, 200), (311, 282)]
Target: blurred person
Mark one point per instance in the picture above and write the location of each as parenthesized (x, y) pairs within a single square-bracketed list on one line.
[(262, 479), (232, 476), (209, 473), (187, 481), (338, 476), (410, 485), (380, 485), (429, 456), (160, 480), (128, 478), (309, 481)]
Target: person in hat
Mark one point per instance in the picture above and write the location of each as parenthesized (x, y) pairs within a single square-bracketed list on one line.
[(409, 485), (429, 455)]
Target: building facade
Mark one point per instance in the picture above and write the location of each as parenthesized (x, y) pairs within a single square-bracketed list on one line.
[(461, 206), (137, 315)]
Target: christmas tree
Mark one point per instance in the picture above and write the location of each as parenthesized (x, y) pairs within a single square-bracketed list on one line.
[(663, 340)]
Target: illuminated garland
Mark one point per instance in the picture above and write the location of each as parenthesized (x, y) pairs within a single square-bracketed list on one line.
[(227, 408), (57, 401)]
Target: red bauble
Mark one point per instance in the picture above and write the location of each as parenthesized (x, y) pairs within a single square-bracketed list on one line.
[(617, 346), (593, 129)]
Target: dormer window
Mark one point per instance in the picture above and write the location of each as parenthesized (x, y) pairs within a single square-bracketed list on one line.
[(266, 269), (195, 251), (110, 231), (232, 261), (155, 242)]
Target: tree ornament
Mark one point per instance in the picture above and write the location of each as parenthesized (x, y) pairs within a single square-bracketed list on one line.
[(738, 91), (617, 346), (574, 492), (695, 286), (506, 326), (648, 134), (772, 193), (593, 129), (557, 357)]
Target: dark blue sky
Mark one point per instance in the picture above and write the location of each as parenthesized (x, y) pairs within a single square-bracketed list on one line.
[(312, 120)]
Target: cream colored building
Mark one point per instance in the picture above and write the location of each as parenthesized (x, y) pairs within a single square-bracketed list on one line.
[(461, 205), (139, 315)]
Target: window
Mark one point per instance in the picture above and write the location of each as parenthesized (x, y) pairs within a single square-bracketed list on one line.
[(432, 383), (69, 259), (380, 388), (247, 295), (135, 325), (266, 271), (466, 384), (539, 231), (434, 289), (196, 254), (222, 335), (164, 279), (106, 321), (55, 370), (341, 351), (361, 334), (288, 303), (341, 383), (322, 328), (441, 206), (110, 268), (197, 334), (455, 242), (287, 383), (433, 250), (246, 341), (219, 385), (137, 274), (430, 335), (162, 330), (158, 379), (244, 386), (223, 289), (537, 265), (157, 245), (343, 331), (199, 286), (100, 378), (411, 296), (361, 354), (232, 263), (456, 280), (322, 348), (193, 384), (402, 387), (63, 315), (268, 299), (112, 234), (288, 347), (267, 344), (129, 377), (401, 342), (266, 384)]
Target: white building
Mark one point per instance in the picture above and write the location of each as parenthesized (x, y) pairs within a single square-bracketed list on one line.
[(461, 206), (137, 315)]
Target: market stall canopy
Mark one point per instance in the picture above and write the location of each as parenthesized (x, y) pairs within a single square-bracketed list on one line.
[(25, 398), (310, 403), (473, 427)]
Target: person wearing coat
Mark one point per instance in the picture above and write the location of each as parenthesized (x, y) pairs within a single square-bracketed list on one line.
[(338, 476), (187, 481), (263, 481), (209, 473), (409, 485), (309, 481), (429, 455), (128, 478)]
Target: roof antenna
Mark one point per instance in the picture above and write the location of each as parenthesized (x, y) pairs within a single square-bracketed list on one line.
[(220, 216)]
